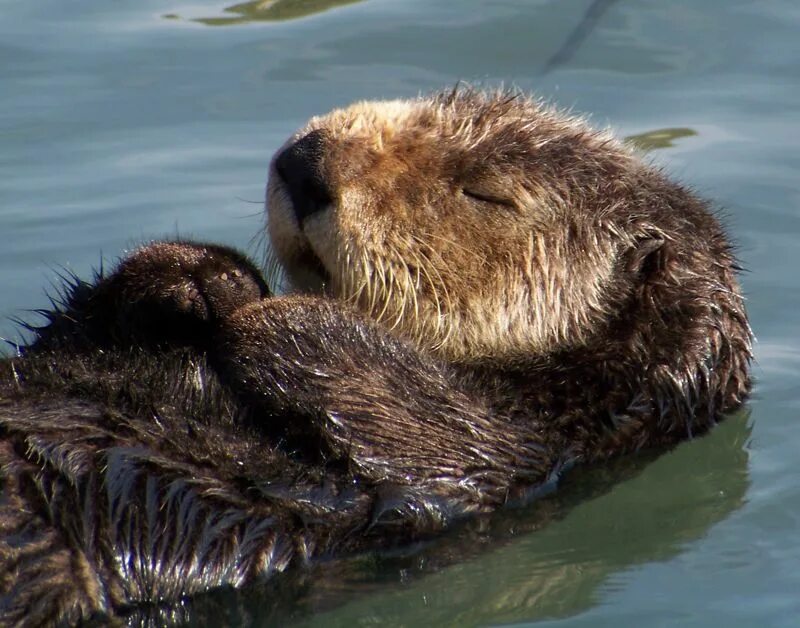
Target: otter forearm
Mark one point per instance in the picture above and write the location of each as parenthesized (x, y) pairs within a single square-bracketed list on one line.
[(345, 386)]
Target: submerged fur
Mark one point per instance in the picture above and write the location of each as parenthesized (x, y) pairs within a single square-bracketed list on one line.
[(499, 293)]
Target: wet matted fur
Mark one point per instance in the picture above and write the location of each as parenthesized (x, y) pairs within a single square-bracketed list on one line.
[(486, 293)]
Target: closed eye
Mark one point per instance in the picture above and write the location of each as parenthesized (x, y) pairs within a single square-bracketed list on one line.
[(488, 198)]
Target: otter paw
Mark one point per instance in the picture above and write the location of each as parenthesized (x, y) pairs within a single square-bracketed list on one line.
[(178, 292)]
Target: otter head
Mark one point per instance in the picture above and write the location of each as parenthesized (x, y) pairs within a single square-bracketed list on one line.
[(478, 226)]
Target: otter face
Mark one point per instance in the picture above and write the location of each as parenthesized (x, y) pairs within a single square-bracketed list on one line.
[(468, 223)]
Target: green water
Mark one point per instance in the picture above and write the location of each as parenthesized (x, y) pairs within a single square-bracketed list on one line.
[(121, 121)]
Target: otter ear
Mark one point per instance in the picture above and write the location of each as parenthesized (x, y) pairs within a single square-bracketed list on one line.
[(647, 255)]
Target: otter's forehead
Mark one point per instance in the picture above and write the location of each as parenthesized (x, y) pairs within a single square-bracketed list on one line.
[(367, 119), (465, 117)]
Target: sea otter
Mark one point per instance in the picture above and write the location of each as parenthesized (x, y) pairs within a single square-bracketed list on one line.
[(483, 293)]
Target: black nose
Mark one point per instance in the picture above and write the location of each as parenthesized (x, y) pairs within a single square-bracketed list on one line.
[(300, 167)]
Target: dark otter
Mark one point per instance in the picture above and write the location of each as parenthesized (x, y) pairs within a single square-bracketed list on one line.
[(505, 293)]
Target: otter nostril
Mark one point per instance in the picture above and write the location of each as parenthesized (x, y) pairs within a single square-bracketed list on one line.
[(300, 167)]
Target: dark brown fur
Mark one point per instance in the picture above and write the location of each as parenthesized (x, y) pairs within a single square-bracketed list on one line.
[(174, 428)]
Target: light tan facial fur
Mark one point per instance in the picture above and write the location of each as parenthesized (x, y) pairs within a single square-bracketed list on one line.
[(475, 225)]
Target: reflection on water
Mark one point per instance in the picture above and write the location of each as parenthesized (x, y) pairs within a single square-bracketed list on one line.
[(547, 560), (270, 11), (602, 522), (660, 138), (591, 18)]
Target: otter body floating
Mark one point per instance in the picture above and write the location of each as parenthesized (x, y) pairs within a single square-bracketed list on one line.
[(484, 292)]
